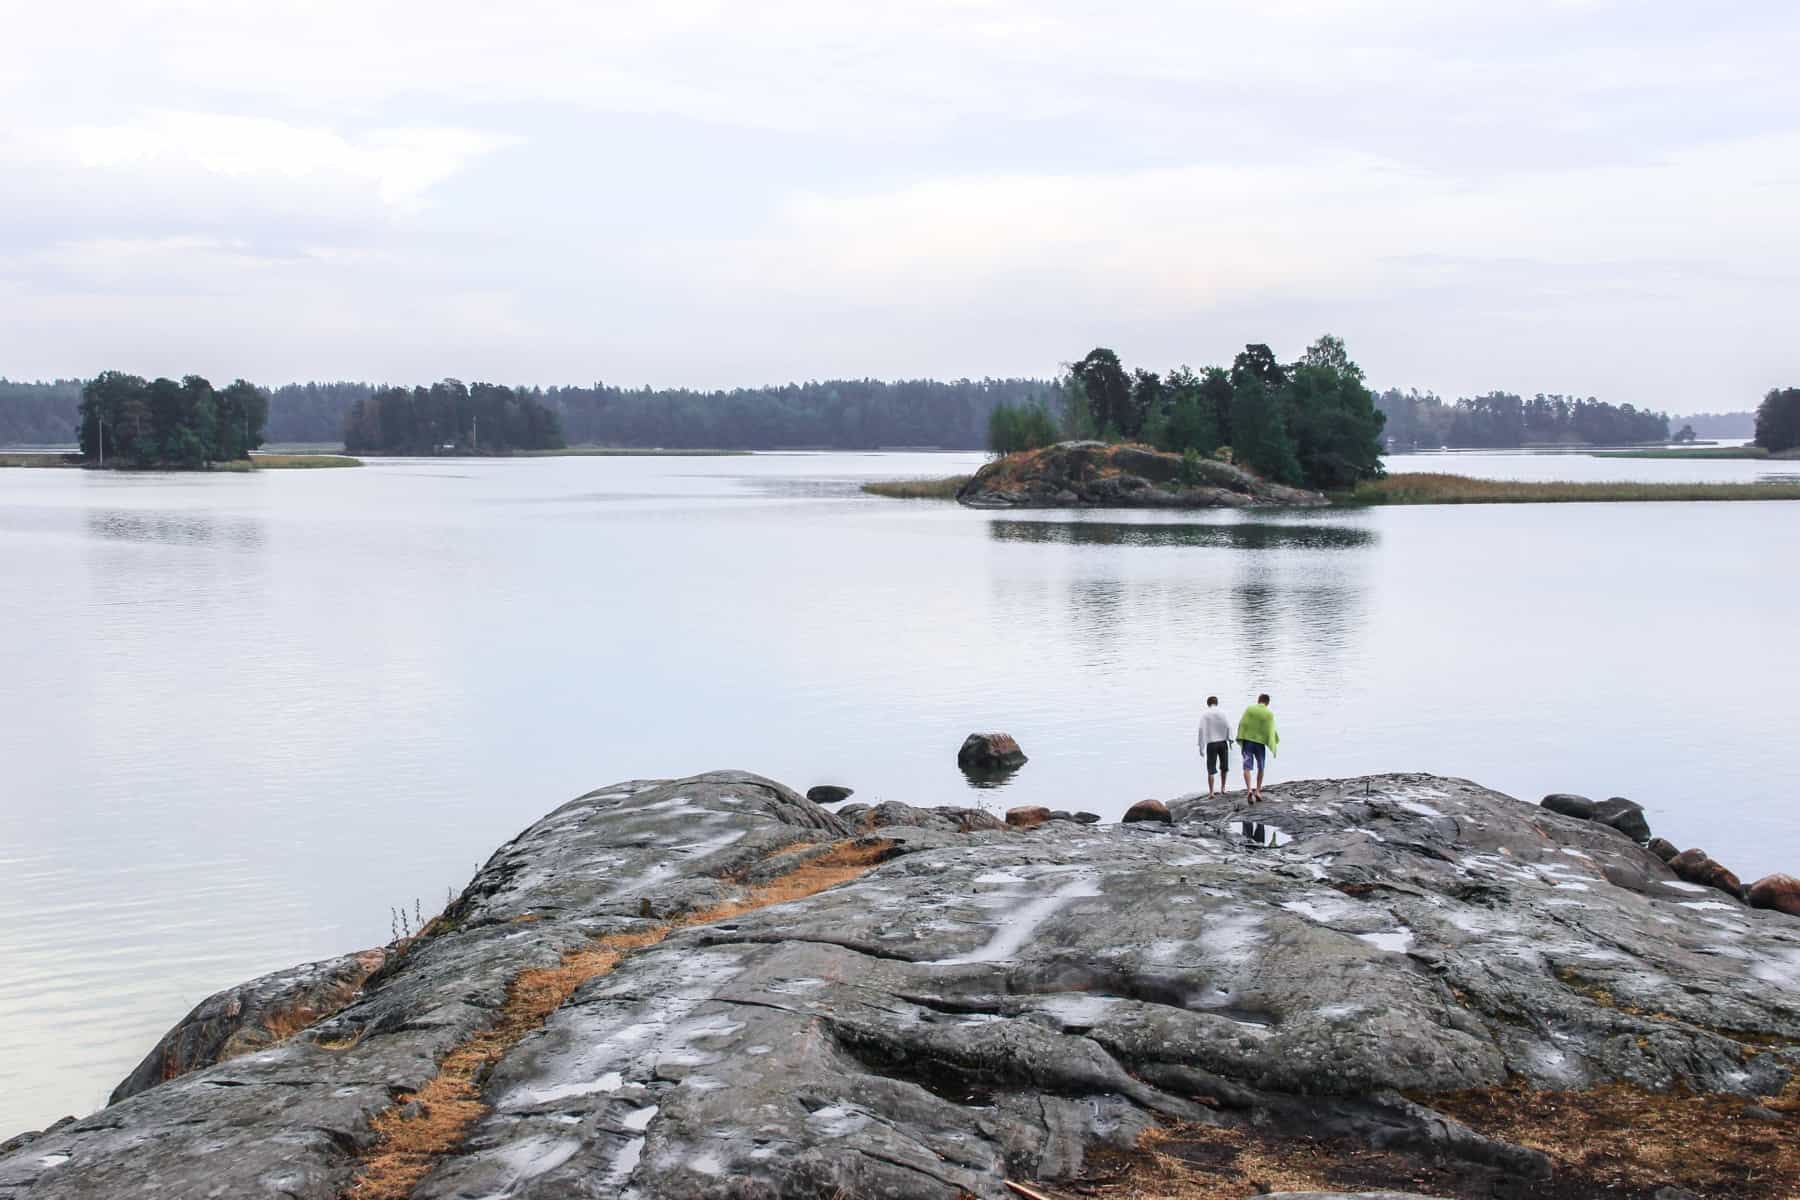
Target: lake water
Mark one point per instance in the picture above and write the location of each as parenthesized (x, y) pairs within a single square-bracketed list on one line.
[(245, 717)]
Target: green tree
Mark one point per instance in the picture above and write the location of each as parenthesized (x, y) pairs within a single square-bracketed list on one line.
[(1195, 404), (1331, 418), (1107, 390), (1778, 420), (1148, 398), (1260, 438)]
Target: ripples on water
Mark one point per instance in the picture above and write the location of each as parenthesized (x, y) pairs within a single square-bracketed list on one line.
[(248, 715)]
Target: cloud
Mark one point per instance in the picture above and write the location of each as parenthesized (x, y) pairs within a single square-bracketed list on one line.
[(401, 165), (708, 192)]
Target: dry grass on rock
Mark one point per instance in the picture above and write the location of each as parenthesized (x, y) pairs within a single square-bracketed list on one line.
[(421, 1128)]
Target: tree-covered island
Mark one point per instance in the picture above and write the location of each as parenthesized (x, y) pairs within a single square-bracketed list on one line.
[(1310, 423), (127, 421)]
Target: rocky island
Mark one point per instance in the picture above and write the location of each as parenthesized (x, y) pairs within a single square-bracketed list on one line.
[(1104, 475), (714, 987)]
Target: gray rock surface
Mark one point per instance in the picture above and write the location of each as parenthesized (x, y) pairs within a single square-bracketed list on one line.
[(1098, 475), (1626, 816), (1570, 805), (988, 1004)]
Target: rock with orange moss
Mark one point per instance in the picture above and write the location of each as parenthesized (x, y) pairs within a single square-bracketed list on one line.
[(712, 988), (1027, 816), (1146, 810), (1697, 867), (990, 752), (252, 1016), (1779, 892)]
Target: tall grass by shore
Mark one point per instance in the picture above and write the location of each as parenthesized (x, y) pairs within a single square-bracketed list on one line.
[(301, 462), (1428, 488), (917, 489), (1696, 452)]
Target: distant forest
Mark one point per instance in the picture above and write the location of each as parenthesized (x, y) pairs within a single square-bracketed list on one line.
[(861, 414), (1718, 425), (1501, 419)]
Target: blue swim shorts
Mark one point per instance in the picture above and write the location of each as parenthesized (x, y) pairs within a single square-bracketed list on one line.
[(1254, 754)]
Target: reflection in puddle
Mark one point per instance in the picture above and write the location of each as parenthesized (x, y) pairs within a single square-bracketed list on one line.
[(1237, 536)]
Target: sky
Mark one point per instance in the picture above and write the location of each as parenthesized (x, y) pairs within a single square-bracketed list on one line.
[(1550, 195)]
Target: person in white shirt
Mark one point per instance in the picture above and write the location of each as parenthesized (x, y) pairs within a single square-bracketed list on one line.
[(1215, 742)]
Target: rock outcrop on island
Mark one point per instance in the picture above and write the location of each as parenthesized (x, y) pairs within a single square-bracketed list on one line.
[(1102, 475), (711, 987)]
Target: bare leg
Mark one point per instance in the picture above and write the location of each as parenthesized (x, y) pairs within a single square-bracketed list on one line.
[(1248, 787), (1259, 775)]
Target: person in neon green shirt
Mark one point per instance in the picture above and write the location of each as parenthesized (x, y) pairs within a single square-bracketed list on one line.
[(1257, 739)]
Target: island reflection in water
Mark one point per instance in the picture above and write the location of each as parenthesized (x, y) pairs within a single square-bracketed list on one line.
[(1242, 535)]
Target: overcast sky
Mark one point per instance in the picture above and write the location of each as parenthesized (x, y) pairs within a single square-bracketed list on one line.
[(1594, 197)]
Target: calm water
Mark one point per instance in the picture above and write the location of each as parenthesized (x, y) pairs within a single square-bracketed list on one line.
[(246, 716)]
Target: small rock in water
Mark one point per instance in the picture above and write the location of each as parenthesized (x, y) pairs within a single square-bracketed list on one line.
[(990, 752), (1779, 892), (1626, 816), (829, 793), (1085, 818), (1027, 816), (1696, 866), (1570, 805), (1663, 848), (1147, 810)]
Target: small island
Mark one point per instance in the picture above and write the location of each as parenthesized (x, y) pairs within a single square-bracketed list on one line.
[(128, 423)]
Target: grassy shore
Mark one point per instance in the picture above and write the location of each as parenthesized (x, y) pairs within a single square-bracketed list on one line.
[(296, 462), (1695, 452), (39, 459), (917, 489), (1424, 488)]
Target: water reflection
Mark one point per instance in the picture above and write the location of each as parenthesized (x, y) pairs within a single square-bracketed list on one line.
[(1247, 535), (172, 528)]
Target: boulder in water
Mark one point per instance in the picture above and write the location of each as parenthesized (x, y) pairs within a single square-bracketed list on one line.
[(829, 793), (990, 752), (1147, 810)]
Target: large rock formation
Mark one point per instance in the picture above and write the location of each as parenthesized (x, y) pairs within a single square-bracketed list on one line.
[(748, 996), (1099, 475)]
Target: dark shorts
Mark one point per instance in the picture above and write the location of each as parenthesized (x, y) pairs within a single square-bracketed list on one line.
[(1255, 754), (1218, 752)]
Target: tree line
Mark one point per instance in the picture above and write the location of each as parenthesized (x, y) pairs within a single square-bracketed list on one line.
[(449, 417), (130, 421), (1310, 422), (835, 414), (1500, 420)]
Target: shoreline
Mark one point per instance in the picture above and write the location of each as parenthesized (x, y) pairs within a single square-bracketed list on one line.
[(1425, 488), (56, 460)]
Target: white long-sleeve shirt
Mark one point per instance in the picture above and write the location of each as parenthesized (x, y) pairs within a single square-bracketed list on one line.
[(1214, 726)]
